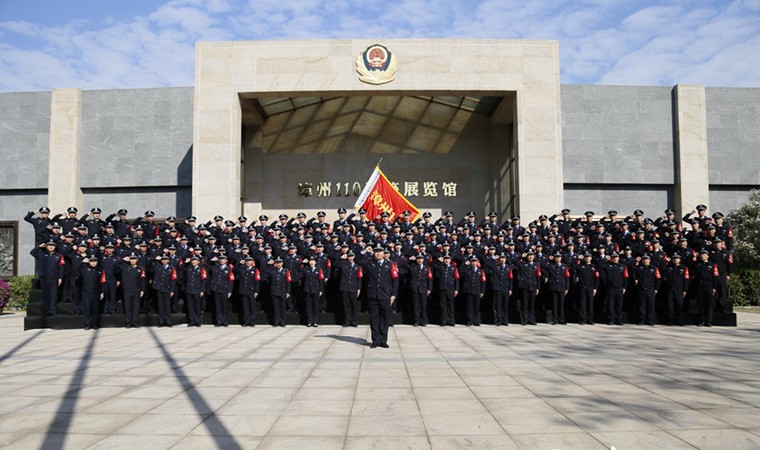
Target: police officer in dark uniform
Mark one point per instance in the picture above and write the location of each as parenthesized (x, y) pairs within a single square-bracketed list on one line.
[(50, 272), (501, 277), (382, 289), (647, 279), (194, 286), (312, 287), (615, 277), (109, 263), (677, 284), (472, 287), (248, 288), (557, 280), (90, 280), (221, 286), (40, 224), (705, 281), (132, 281), (164, 285), (586, 277), (528, 282), (278, 280), (420, 279), (350, 283), (446, 277)]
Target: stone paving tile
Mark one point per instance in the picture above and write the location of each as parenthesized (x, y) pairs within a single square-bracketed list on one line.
[(515, 387)]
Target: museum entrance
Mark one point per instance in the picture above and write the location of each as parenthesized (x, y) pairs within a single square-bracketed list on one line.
[(444, 152)]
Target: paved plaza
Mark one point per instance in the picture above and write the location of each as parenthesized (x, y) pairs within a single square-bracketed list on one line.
[(539, 387)]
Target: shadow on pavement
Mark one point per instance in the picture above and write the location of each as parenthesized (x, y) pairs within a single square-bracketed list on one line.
[(12, 351), (349, 339)]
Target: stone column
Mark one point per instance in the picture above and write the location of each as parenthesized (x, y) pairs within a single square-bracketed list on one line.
[(540, 185), (63, 159), (692, 176), (216, 135)]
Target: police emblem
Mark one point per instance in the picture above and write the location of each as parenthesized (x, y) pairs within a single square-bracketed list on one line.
[(376, 65)]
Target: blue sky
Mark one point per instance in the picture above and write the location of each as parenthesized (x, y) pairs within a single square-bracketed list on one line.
[(138, 43)]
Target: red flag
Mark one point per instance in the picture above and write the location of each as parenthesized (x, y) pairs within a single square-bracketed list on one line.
[(379, 196)]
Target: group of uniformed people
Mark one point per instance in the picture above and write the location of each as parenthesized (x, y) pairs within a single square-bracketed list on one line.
[(560, 262)]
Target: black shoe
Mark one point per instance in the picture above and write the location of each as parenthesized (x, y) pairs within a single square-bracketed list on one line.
[(373, 345), (468, 324), (416, 324), (708, 324), (88, 328), (563, 323), (506, 324), (554, 323), (385, 346), (423, 324), (590, 322), (498, 324), (476, 324), (533, 323), (354, 325)]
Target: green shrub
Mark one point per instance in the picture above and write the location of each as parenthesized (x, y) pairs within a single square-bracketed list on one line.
[(745, 287), (20, 287)]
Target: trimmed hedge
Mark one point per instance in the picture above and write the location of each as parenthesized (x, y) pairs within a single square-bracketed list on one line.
[(20, 288), (745, 287)]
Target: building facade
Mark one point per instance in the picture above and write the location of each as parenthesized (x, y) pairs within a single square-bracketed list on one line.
[(288, 126)]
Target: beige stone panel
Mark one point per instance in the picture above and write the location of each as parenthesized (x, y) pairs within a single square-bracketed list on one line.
[(692, 187), (63, 154)]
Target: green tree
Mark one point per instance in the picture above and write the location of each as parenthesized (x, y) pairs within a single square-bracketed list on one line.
[(746, 224)]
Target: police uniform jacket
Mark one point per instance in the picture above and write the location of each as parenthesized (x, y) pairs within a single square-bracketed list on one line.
[(705, 274), (586, 276), (279, 281), (132, 278), (528, 275), (91, 279), (381, 278), (350, 276), (419, 276), (677, 278), (222, 278), (312, 280), (501, 278), (446, 277), (40, 226), (248, 280), (648, 277), (51, 264), (616, 276), (164, 277), (557, 276), (194, 279), (473, 280)]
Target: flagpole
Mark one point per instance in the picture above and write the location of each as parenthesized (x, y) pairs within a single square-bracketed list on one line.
[(378, 163)]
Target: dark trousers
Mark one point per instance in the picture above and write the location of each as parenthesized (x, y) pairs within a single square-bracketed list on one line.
[(313, 307), (109, 295), (586, 299), (706, 303), (446, 301), (322, 304), (292, 301), (558, 306), (615, 305), (76, 297), (194, 312), (473, 308), (378, 320), (501, 305), (49, 295), (675, 307), (91, 308), (419, 304), (249, 310), (278, 308), (163, 300), (528, 305), (349, 307), (131, 308), (221, 308), (646, 306)]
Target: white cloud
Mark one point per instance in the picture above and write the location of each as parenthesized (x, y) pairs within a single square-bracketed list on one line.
[(639, 42)]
